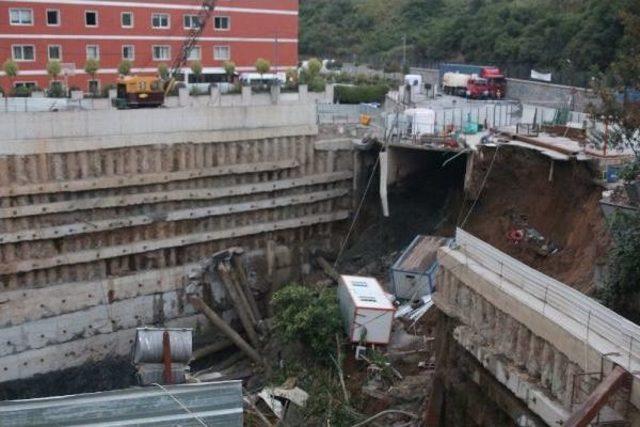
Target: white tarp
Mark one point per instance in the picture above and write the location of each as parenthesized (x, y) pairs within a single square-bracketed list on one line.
[(540, 76)]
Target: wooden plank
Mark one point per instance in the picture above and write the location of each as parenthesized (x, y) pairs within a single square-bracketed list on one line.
[(587, 411), (130, 180), (168, 196), (185, 214), (153, 245), (25, 305)]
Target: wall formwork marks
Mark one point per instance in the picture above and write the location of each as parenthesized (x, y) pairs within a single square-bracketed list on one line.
[(96, 243)]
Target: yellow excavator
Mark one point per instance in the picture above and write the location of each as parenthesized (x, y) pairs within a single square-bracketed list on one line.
[(149, 92)]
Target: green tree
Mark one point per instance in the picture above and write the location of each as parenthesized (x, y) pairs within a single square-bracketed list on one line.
[(54, 69), (262, 66), (314, 66), (163, 71), (91, 67), (124, 68), (11, 69), (196, 69), (312, 318), (622, 290), (229, 70), (617, 107)]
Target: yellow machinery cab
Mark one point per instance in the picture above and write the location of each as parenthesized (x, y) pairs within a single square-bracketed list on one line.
[(138, 92)]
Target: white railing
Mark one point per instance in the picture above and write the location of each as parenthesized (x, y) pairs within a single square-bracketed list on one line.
[(596, 324)]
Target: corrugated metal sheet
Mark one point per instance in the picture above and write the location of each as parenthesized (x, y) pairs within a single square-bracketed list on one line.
[(210, 404)]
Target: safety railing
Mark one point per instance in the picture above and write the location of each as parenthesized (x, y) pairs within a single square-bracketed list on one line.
[(581, 315)]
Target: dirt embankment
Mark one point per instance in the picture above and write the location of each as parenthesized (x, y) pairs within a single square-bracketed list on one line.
[(521, 192)]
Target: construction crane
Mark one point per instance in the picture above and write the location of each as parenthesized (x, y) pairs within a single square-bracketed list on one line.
[(149, 92), (204, 15)]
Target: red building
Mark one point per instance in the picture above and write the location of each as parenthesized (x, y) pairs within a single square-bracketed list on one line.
[(148, 32)]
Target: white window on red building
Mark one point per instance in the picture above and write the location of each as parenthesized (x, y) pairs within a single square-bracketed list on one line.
[(24, 52), (90, 18), (160, 20), (54, 52), (221, 53), (126, 19), (21, 16), (53, 17), (161, 53), (191, 21), (128, 52), (93, 51), (195, 54), (222, 23)]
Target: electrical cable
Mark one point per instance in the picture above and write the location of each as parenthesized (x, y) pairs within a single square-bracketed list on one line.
[(182, 405)]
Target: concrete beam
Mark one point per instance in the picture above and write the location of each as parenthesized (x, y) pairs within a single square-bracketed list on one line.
[(180, 215), (169, 196), (174, 242), (120, 181)]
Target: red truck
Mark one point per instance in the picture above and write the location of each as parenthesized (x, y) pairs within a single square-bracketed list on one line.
[(473, 81)]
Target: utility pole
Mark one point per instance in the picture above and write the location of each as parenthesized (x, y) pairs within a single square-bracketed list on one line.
[(404, 52)]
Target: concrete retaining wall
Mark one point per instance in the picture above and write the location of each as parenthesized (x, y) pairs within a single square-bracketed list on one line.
[(27, 133), (98, 232)]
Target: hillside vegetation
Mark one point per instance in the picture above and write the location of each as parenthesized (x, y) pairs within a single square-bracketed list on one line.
[(564, 36)]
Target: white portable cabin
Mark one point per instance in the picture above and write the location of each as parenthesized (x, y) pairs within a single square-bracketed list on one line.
[(415, 82), (366, 310), (413, 274), (423, 121)]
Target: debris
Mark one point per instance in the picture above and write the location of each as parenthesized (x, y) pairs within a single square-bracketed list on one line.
[(386, 412), (240, 305), (255, 409), (338, 364), (414, 312), (225, 328), (205, 351), (244, 285), (271, 395), (328, 269)]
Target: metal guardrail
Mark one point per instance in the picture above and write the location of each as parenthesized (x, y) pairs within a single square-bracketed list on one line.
[(596, 322), (345, 113)]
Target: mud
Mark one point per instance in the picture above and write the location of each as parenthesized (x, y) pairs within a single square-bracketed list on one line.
[(565, 210), (109, 374)]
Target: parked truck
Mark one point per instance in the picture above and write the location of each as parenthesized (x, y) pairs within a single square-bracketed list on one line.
[(473, 81)]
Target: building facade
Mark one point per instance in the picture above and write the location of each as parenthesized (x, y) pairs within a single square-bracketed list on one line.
[(147, 33)]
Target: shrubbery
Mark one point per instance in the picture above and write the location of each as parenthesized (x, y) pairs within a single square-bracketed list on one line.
[(360, 94), (622, 291), (310, 317)]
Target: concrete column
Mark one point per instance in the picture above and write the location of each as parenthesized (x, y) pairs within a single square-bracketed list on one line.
[(558, 382), (522, 346), (214, 94), (183, 96), (329, 91), (303, 93), (275, 94), (533, 359), (246, 95)]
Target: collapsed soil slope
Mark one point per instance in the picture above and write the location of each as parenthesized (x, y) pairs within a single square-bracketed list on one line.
[(564, 210)]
